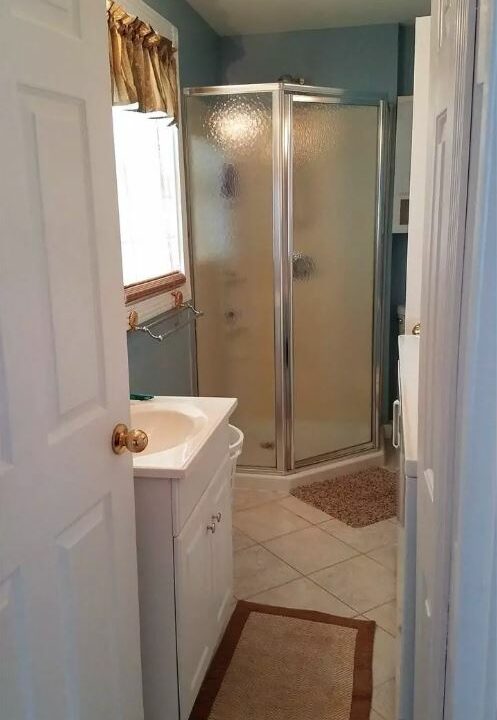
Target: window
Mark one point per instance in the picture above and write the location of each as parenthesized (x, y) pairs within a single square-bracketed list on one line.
[(149, 196)]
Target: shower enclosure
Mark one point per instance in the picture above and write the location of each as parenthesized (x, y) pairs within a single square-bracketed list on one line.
[(287, 196)]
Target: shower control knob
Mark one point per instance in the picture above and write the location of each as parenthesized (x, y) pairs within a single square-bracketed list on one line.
[(217, 517), (303, 266), (211, 527)]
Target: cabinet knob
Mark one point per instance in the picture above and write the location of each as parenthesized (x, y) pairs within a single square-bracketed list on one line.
[(217, 517), (211, 527)]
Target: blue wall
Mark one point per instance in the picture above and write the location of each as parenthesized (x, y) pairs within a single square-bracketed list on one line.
[(406, 60), (357, 58), (161, 368), (199, 56)]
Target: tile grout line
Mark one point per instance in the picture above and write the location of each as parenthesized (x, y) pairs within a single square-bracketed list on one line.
[(326, 567), (308, 577), (276, 587), (357, 553), (266, 502), (305, 577), (378, 562), (332, 595), (316, 525), (273, 587), (328, 592), (392, 519), (310, 523)]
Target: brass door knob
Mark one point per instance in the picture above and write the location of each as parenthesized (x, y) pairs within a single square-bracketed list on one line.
[(133, 440)]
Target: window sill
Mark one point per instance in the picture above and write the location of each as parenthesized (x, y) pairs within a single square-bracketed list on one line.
[(156, 286)]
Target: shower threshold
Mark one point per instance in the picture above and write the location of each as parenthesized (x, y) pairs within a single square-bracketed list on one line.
[(274, 480)]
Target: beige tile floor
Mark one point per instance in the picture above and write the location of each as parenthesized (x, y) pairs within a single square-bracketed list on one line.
[(288, 553)]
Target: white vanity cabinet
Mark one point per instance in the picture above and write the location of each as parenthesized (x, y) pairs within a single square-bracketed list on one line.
[(185, 565), (203, 567)]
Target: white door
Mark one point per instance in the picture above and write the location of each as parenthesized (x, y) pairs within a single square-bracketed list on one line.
[(452, 49), (69, 633)]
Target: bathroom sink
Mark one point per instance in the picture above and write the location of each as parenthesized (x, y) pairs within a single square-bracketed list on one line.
[(177, 430), (166, 428)]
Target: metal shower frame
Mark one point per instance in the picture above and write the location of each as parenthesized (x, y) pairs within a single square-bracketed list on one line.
[(283, 97)]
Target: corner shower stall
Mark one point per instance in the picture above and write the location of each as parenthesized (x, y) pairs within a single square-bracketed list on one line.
[(287, 217)]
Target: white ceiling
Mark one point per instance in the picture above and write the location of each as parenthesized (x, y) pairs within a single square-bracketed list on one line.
[(241, 17)]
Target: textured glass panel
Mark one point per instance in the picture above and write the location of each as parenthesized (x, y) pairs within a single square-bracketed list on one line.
[(334, 210), (231, 198)]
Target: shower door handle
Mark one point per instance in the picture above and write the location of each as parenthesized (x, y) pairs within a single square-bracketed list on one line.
[(396, 425), (287, 354)]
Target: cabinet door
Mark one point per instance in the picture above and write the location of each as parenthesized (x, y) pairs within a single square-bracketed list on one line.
[(222, 551), (193, 574)]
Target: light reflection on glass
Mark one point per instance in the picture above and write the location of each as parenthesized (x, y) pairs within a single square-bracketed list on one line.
[(235, 123)]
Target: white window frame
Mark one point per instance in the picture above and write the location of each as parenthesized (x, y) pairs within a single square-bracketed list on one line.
[(152, 306)]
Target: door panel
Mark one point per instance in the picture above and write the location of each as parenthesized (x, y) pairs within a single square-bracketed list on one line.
[(193, 571), (222, 547), (231, 198), (66, 250), (451, 67), (334, 180), (68, 577), (17, 699), (84, 559)]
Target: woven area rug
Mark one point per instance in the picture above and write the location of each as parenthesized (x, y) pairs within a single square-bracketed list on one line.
[(359, 499), (281, 664)]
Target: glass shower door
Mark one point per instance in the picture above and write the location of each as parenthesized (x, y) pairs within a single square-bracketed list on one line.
[(230, 141), (334, 188)]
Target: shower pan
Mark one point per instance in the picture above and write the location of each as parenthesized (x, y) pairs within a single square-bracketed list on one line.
[(287, 217)]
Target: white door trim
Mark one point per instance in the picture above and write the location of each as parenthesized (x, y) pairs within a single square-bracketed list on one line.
[(472, 650), (451, 85)]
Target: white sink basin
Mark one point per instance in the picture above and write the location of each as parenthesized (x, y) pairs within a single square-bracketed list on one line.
[(177, 429), (166, 428)]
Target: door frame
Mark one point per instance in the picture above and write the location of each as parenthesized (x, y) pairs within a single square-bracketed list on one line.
[(472, 635), (441, 299)]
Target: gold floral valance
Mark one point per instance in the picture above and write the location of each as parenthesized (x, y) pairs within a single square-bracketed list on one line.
[(142, 64)]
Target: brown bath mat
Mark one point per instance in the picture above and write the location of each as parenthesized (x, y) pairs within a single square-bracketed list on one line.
[(280, 664), (359, 499)]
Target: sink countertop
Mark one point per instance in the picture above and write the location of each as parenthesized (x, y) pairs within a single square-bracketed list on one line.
[(175, 461), (409, 384)]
